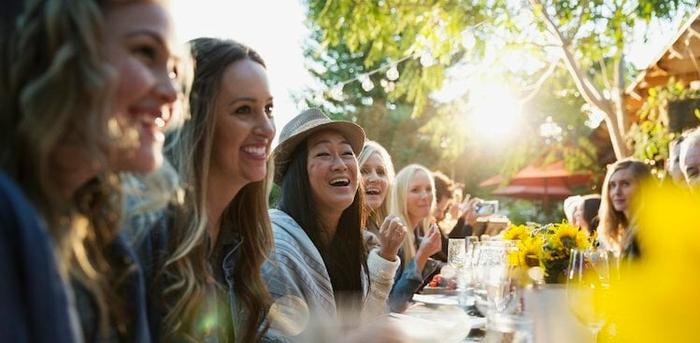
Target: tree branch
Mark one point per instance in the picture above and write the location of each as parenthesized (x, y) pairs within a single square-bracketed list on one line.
[(540, 81), (604, 70), (589, 92)]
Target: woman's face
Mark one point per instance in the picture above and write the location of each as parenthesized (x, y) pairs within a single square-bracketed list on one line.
[(375, 180), (244, 127), (622, 186), (138, 44), (419, 199), (333, 171)]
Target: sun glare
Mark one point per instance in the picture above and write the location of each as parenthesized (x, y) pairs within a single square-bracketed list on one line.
[(495, 111)]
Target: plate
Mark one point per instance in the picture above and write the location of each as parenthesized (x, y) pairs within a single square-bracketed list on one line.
[(436, 299), (438, 290)]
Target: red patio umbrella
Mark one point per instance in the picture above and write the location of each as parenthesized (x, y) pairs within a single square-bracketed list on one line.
[(544, 183)]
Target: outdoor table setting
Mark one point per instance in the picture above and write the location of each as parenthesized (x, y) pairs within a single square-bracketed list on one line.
[(492, 304)]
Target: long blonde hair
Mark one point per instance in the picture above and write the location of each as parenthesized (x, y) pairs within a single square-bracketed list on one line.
[(613, 226), (376, 216), (55, 89), (399, 208), (246, 215)]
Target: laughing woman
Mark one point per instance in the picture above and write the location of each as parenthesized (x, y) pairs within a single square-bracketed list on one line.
[(319, 268), (204, 258), (79, 80)]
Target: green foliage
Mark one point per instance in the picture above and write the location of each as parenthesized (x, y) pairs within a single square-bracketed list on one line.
[(650, 137), (350, 38)]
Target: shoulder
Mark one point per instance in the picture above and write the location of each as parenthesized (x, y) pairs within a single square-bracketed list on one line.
[(15, 208)]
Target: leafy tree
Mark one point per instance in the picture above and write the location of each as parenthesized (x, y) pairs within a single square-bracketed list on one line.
[(587, 38)]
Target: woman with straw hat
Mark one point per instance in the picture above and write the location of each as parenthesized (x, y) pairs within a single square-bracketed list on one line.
[(319, 264)]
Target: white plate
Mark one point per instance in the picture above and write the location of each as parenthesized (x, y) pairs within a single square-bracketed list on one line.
[(436, 299)]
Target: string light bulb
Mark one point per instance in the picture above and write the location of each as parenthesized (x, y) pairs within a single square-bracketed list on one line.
[(393, 73)]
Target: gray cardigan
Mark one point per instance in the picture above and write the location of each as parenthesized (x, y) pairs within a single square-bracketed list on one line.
[(299, 283)]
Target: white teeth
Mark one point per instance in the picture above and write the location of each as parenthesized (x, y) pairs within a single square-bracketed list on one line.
[(255, 150), (338, 181)]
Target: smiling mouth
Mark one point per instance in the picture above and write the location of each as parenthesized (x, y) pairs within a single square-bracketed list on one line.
[(340, 182), (256, 151), (373, 191)]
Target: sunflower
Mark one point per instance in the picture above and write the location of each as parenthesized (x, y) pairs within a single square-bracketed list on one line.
[(517, 232), (530, 252), (566, 237)]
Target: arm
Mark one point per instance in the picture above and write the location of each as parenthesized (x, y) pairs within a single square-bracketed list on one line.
[(381, 275)]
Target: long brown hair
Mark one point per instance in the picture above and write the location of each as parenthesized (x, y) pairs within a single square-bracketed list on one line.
[(246, 215), (55, 88), (613, 225)]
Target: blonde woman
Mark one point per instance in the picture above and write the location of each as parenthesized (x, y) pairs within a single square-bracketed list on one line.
[(83, 84), (412, 201), (203, 262), (377, 176), (616, 230)]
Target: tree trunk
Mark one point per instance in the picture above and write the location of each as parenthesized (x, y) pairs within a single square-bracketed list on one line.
[(613, 108)]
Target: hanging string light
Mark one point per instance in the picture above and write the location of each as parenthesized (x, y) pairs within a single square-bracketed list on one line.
[(367, 83), (425, 57), (393, 73)]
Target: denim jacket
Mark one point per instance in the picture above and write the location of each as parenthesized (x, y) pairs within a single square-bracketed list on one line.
[(36, 305)]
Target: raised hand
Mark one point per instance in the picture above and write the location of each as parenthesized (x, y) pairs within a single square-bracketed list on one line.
[(432, 242), (391, 236)]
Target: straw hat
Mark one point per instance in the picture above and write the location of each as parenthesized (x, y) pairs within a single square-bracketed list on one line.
[(304, 125)]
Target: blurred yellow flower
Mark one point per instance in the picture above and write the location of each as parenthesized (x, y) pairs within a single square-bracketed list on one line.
[(656, 298), (567, 236), (517, 232)]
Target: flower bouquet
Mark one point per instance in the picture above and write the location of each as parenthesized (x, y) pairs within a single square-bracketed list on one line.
[(546, 247)]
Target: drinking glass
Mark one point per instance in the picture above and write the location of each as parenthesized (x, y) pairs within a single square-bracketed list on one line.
[(588, 277), (456, 253)]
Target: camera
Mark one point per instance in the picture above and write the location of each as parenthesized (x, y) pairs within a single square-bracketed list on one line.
[(486, 207)]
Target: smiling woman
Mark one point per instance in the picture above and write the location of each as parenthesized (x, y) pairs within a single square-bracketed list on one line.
[(319, 262)]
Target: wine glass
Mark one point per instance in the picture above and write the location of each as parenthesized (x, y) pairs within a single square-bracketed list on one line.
[(588, 276)]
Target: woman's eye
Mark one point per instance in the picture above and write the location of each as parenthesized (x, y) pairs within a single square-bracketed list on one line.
[(348, 153), (268, 109), (243, 110), (364, 171), (323, 154), (146, 51)]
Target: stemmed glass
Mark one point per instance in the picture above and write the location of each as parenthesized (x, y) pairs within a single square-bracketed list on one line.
[(588, 276)]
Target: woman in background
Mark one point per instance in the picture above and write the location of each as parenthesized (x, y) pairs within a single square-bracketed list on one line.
[(616, 230), (412, 201), (586, 213)]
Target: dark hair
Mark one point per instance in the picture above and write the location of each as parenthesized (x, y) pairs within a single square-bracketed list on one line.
[(444, 186), (591, 204), (345, 257)]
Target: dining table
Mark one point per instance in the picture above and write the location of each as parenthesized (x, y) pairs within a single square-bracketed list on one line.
[(452, 316)]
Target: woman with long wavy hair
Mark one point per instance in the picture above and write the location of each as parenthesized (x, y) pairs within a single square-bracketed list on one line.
[(616, 229), (203, 262), (83, 84)]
